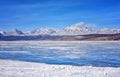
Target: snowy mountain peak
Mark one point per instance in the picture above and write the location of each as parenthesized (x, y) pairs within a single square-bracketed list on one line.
[(43, 31), (75, 29), (2, 32), (17, 31), (14, 32), (78, 25)]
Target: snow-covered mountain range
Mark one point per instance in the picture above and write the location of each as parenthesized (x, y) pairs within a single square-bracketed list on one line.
[(75, 29)]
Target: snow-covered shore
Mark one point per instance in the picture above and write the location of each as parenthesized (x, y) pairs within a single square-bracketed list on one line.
[(9, 68)]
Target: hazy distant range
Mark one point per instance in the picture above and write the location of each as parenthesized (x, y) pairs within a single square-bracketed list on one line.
[(76, 32)]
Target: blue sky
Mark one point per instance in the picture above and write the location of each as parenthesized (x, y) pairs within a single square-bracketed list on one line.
[(30, 14)]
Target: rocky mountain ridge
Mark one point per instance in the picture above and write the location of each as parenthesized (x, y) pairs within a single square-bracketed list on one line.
[(75, 29)]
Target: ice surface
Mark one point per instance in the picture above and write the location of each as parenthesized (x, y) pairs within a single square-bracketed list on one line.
[(59, 59), (81, 53)]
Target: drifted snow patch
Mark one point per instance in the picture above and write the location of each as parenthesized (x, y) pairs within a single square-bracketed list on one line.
[(10, 68)]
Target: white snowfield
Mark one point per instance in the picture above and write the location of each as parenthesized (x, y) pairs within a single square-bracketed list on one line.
[(9, 68)]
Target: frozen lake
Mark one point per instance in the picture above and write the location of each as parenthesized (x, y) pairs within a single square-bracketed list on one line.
[(80, 53)]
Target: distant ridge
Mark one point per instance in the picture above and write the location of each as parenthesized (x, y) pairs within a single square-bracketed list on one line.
[(75, 29), (78, 31)]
